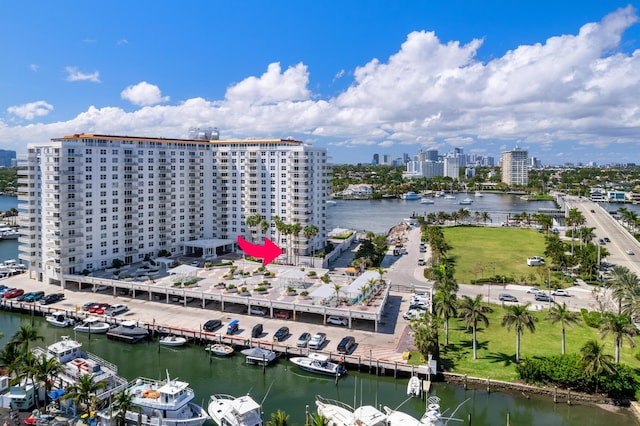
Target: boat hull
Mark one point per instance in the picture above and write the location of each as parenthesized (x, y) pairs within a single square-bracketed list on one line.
[(315, 367)]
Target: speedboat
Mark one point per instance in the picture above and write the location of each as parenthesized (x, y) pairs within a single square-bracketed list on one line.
[(160, 403), (259, 356), (479, 194), (318, 363), (340, 414), (331, 203), (59, 319), (92, 325), (466, 202), (128, 331), (226, 410), (219, 349), (410, 196), (432, 417), (449, 197), (414, 386), (427, 200), (172, 340)]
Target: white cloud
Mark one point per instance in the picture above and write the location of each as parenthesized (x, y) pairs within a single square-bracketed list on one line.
[(570, 90), (143, 94), (31, 110), (122, 41), (76, 75), (33, 67)]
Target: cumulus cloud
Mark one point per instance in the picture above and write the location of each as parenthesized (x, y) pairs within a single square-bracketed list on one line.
[(122, 41), (31, 110), (571, 89), (76, 75), (143, 94), (33, 67)]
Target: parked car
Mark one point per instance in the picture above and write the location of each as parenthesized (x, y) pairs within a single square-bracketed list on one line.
[(303, 340), (317, 341), (629, 251), (88, 306), (607, 239), (256, 331), (256, 310), (99, 308), (533, 290), (116, 309), (413, 314), (15, 292), (336, 320), (560, 292), (346, 344), (421, 306), (4, 290), (51, 298), (281, 334), (506, 297), (34, 297), (543, 297), (212, 325), (281, 314), (420, 261)]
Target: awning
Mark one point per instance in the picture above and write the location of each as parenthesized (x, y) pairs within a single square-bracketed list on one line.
[(55, 394)]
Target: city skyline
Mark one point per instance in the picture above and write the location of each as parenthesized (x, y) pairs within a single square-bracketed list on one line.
[(560, 80)]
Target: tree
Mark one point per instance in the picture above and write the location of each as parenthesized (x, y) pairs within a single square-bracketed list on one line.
[(252, 222), (121, 402), (472, 312), (336, 288), (310, 232), (83, 392), (25, 335), (621, 327), (10, 358), (595, 361), (425, 335), (279, 418), (445, 304), (562, 314), (45, 369), (316, 419), (520, 319), (622, 283)]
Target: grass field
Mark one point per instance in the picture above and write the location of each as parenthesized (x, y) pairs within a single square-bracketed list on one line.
[(481, 252), (497, 346)]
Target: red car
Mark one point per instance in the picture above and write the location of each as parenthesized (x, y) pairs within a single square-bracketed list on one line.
[(94, 308), (13, 293), (102, 307)]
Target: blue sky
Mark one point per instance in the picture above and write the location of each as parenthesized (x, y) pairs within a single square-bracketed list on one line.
[(559, 78)]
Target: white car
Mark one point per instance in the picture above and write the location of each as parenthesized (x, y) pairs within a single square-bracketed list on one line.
[(116, 310), (332, 319), (413, 314), (256, 310), (560, 292), (629, 251), (533, 290), (317, 341)]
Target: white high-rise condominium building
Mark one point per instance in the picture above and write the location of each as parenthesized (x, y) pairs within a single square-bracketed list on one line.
[(86, 200), (515, 169)]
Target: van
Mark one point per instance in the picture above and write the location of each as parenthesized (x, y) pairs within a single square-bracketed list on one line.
[(256, 331), (346, 344), (233, 327)]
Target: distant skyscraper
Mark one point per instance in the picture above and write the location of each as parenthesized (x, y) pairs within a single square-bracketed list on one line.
[(432, 155), (7, 158), (515, 170), (452, 167), (376, 159)]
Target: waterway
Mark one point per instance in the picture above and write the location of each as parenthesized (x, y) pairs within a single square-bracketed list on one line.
[(283, 386)]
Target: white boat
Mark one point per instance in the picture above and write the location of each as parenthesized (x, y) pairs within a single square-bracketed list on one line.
[(410, 196), (219, 349), (259, 356), (479, 194), (92, 325), (431, 417), (466, 202), (226, 410), (59, 319), (414, 386), (128, 331), (449, 197), (331, 202), (427, 200), (172, 340), (440, 194), (340, 414), (160, 403), (319, 363)]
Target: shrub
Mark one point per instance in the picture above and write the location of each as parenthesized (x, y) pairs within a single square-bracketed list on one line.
[(326, 278), (304, 293), (231, 286), (312, 274), (244, 290), (260, 289), (592, 319)]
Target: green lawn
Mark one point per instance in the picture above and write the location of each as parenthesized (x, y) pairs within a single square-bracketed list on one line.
[(488, 251), (497, 347)]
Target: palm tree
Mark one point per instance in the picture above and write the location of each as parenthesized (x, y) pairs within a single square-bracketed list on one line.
[(120, 404), (83, 392), (521, 319), (336, 288), (45, 369), (309, 233), (620, 326), (279, 418), (10, 358), (622, 283), (316, 419), (595, 361), (296, 228), (473, 312), (425, 335), (252, 222), (445, 304), (560, 313), (25, 335)]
